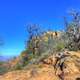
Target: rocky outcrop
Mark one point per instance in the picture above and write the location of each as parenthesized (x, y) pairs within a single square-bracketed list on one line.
[(43, 73), (61, 66), (66, 64)]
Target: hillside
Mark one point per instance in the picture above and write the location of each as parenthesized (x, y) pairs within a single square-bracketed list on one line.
[(64, 66), (49, 55), (53, 64)]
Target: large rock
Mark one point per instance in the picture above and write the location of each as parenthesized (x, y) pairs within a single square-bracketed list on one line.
[(61, 66), (44, 73), (68, 65)]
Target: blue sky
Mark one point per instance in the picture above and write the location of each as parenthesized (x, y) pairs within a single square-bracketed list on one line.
[(15, 14)]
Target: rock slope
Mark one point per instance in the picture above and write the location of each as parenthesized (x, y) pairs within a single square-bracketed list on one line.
[(62, 66)]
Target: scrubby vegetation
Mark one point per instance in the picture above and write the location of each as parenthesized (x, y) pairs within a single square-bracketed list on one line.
[(40, 42), (3, 68), (73, 32)]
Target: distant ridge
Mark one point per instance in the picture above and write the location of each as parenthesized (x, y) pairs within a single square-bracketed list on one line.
[(4, 58)]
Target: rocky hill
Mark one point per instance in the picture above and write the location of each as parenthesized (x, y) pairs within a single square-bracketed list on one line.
[(57, 64), (61, 66), (49, 55)]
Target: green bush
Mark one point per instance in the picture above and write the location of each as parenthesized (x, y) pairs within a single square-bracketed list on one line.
[(60, 46), (18, 67), (73, 31), (3, 70)]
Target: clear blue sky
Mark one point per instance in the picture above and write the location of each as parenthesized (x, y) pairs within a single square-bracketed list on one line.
[(15, 14)]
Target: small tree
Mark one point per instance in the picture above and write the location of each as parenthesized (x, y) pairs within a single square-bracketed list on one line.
[(34, 34), (73, 31)]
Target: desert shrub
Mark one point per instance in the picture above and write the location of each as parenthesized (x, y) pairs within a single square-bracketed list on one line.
[(73, 31), (17, 67), (38, 47), (1, 63), (24, 56), (57, 43), (3, 69), (38, 43), (34, 31), (60, 46)]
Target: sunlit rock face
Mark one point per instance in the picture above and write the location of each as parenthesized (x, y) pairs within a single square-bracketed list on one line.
[(63, 66)]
